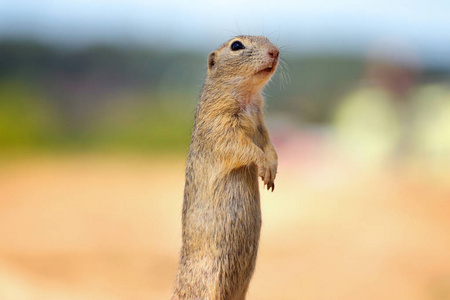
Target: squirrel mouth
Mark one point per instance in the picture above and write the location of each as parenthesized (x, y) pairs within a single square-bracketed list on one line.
[(267, 70)]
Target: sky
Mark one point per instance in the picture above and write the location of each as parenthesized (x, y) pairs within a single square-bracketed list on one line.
[(330, 26)]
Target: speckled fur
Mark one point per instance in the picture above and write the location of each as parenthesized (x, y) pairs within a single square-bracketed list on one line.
[(230, 147)]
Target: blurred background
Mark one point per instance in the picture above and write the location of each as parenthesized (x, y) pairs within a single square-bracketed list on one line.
[(96, 110)]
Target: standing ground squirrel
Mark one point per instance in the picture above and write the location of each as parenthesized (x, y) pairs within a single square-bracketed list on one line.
[(230, 147)]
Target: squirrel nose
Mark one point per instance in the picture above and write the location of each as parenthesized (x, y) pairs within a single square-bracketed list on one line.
[(273, 53)]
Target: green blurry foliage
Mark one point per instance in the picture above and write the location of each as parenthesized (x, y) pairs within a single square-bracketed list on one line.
[(312, 85), (98, 97), (136, 98), (143, 123), (26, 120)]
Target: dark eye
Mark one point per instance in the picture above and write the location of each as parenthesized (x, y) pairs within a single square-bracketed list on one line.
[(237, 46)]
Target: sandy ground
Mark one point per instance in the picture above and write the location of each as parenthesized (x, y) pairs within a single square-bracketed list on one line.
[(108, 227)]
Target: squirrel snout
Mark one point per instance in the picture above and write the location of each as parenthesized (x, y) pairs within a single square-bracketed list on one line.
[(273, 53)]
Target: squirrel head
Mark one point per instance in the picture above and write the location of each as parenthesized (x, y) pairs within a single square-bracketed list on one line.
[(243, 60)]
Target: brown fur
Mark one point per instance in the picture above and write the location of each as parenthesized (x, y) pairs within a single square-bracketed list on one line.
[(230, 147)]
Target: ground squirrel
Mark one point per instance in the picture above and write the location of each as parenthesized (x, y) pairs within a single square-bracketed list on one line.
[(230, 147)]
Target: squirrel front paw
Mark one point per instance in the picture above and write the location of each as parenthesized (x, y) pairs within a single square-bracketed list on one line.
[(267, 172)]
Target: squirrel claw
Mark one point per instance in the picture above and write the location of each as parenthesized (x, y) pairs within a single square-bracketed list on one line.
[(269, 185), (267, 176)]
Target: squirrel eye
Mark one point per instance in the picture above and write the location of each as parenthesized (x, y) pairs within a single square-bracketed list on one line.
[(237, 46)]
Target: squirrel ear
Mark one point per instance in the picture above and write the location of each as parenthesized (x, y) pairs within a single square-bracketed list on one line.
[(211, 60)]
